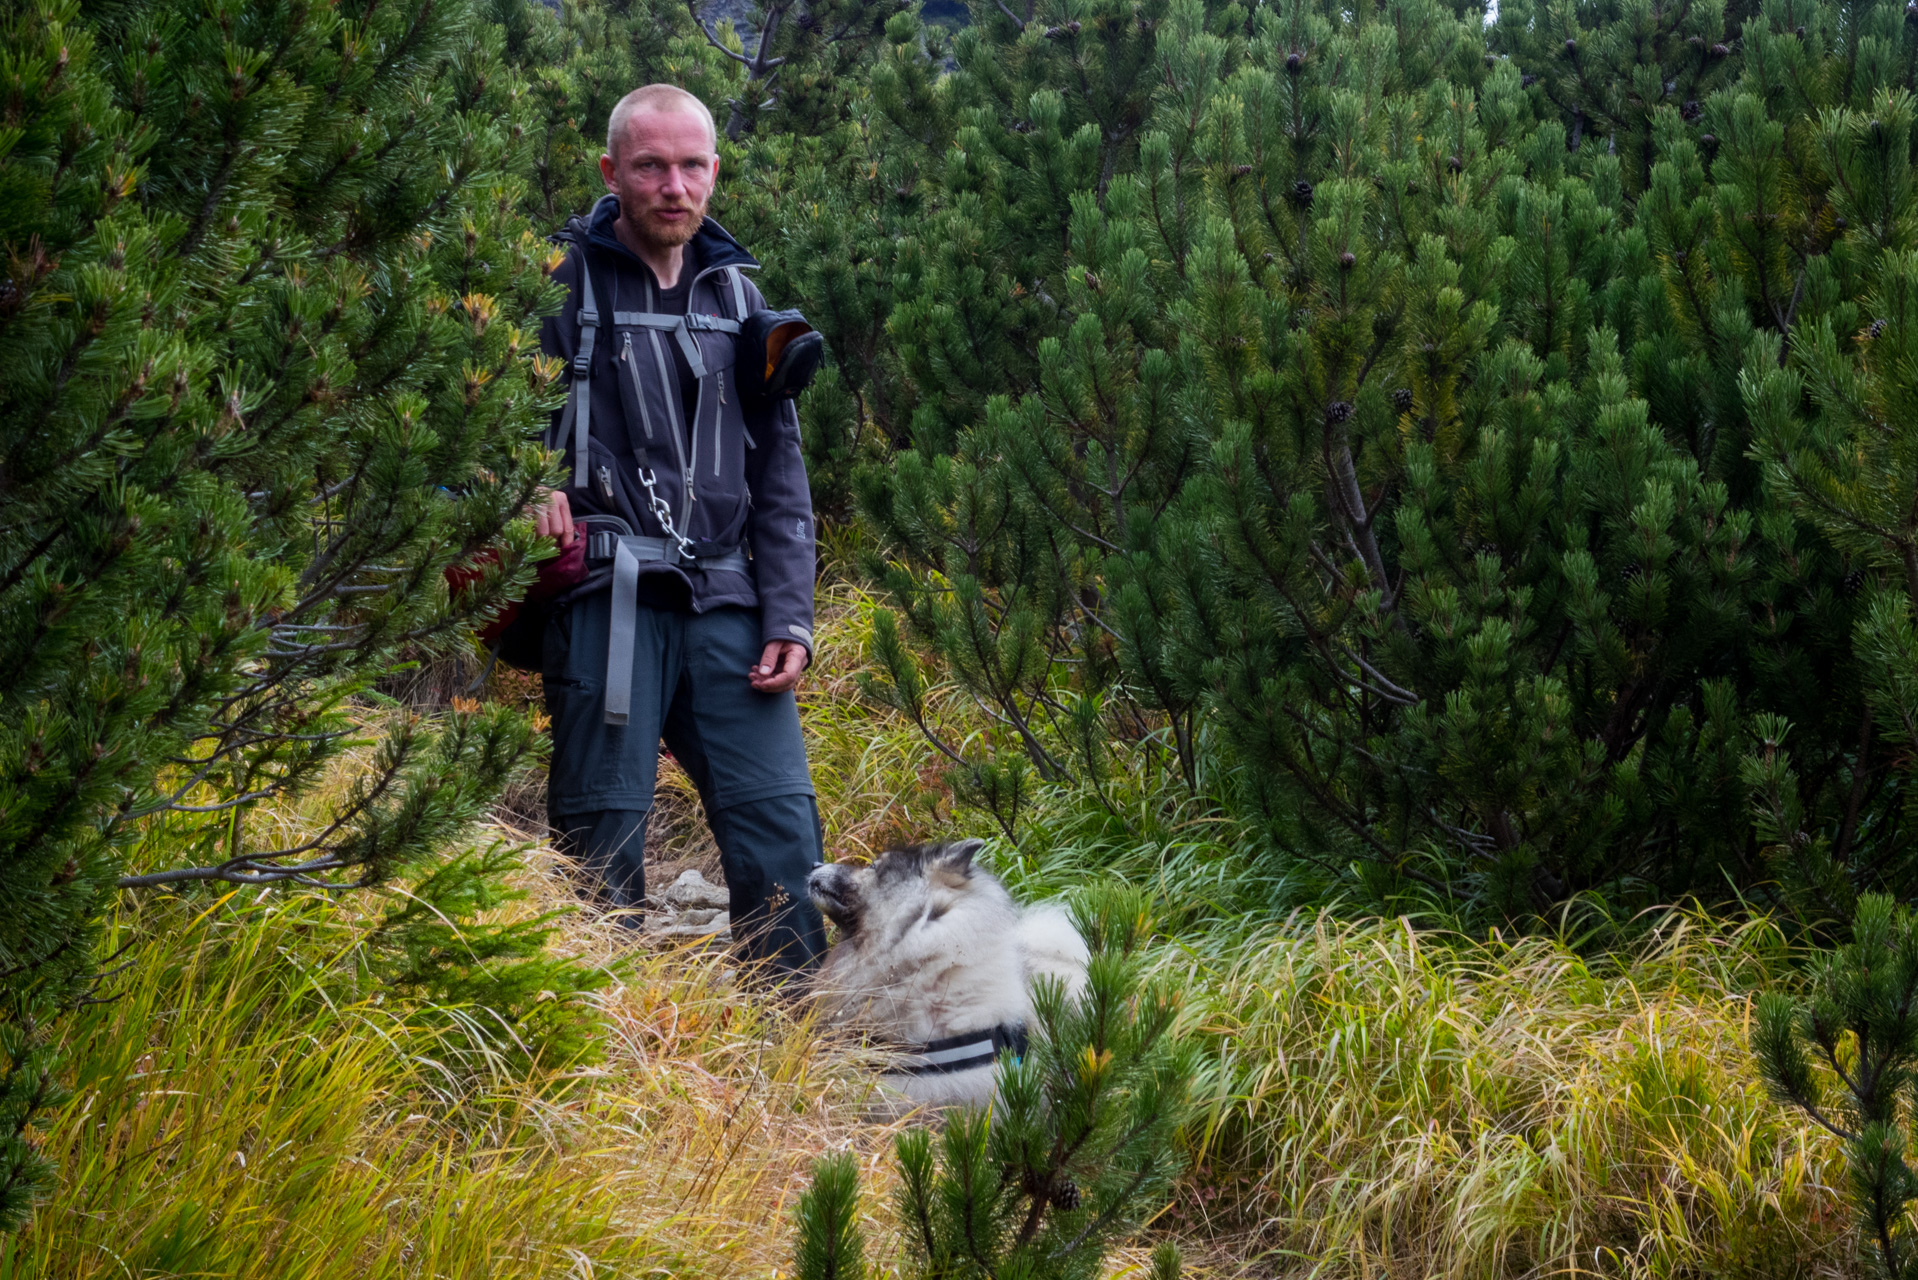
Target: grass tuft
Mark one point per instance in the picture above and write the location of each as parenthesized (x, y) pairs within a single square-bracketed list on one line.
[(243, 1108), (1386, 1101), (1380, 1100)]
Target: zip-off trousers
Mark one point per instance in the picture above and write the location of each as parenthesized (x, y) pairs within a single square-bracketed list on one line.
[(742, 749)]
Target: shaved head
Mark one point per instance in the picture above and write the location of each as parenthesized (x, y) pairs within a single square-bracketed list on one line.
[(655, 97)]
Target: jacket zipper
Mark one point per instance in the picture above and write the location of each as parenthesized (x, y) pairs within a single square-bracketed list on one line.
[(683, 520), (687, 466), (700, 405), (632, 373)]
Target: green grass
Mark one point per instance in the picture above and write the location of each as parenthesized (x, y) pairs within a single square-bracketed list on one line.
[(243, 1108), (1379, 1100), (1386, 1101)]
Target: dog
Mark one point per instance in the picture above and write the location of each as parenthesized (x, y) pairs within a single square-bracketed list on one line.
[(937, 960)]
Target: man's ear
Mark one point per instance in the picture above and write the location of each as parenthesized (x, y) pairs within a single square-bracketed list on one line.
[(606, 171)]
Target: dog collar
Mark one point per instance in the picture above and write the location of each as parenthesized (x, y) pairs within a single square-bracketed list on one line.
[(961, 1052)]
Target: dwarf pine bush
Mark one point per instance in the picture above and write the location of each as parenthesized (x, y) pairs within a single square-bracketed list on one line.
[(1472, 454), (265, 373)]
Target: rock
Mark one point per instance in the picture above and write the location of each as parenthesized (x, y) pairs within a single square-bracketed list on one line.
[(718, 929), (696, 916), (694, 891)]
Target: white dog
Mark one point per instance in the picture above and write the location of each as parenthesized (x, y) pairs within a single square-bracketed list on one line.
[(937, 960)]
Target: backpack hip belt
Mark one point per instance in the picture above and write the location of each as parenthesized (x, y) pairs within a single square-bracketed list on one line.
[(628, 552)]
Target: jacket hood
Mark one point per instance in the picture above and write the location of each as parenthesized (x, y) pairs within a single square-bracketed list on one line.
[(711, 246)]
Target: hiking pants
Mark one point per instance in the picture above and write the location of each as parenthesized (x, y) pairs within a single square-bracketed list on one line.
[(742, 749)]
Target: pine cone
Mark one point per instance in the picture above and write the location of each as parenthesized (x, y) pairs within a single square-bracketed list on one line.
[(1854, 581), (1065, 1196), (1302, 193), (1402, 399), (1338, 411)]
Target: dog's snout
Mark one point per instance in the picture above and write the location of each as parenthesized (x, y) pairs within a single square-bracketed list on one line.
[(831, 889)]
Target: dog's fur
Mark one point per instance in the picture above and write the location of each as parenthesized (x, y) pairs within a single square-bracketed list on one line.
[(933, 946)]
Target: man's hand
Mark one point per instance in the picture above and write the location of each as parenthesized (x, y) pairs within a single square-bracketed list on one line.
[(779, 666), (554, 518)]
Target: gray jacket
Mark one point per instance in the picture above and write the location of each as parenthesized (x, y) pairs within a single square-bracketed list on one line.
[(736, 478)]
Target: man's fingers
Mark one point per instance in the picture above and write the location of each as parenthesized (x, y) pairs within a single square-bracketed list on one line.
[(778, 667), (553, 517)]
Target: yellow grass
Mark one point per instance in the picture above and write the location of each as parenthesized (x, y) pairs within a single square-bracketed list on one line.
[(240, 1112), (1396, 1104), (1380, 1102)]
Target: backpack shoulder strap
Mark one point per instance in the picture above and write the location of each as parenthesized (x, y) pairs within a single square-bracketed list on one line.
[(579, 400), (738, 283)]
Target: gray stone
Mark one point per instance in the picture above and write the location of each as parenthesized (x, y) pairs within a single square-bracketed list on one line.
[(693, 891), (718, 929)]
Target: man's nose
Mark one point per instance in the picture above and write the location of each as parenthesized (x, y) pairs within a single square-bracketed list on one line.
[(674, 183)]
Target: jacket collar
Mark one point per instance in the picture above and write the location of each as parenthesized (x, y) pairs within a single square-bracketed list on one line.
[(711, 246)]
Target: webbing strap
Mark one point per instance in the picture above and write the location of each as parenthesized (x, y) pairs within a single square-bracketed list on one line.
[(619, 641), (579, 404), (739, 292), (682, 328), (632, 551)]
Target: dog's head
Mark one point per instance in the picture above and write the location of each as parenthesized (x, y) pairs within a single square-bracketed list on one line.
[(900, 888)]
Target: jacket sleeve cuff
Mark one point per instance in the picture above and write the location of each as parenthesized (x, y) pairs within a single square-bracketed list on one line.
[(790, 632), (562, 572)]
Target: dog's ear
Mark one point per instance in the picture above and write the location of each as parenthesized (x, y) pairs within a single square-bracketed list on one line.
[(954, 863)]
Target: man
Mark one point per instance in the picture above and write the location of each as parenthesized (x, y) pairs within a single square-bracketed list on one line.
[(692, 618)]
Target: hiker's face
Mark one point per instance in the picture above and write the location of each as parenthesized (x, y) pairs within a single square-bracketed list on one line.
[(663, 174)]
